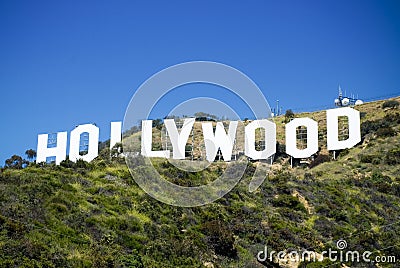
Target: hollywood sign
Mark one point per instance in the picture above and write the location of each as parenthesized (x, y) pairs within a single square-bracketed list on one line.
[(213, 140)]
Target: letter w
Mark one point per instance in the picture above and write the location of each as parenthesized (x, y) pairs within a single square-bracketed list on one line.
[(219, 140)]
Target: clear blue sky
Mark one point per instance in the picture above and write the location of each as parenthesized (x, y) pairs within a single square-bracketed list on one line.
[(64, 63)]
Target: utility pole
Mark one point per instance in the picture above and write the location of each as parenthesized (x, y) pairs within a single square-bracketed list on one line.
[(277, 107)]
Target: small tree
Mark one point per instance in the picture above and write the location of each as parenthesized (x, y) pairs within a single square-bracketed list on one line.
[(30, 154), (157, 123), (289, 115), (16, 162), (205, 115)]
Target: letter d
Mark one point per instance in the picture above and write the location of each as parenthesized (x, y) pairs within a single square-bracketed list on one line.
[(265, 252)]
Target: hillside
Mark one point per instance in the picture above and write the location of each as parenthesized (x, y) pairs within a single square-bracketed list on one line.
[(95, 215)]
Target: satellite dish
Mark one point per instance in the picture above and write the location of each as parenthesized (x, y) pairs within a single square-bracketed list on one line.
[(337, 102), (345, 102), (359, 102)]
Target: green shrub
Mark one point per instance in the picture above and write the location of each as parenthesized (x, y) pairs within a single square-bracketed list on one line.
[(343, 152), (132, 260), (386, 132), (393, 157), (380, 182), (308, 176), (390, 104), (369, 127), (369, 158), (393, 118), (289, 201), (67, 163), (321, 158), (220, 238)]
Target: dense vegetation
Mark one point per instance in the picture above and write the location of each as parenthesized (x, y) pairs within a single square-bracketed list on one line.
[(94, 214)]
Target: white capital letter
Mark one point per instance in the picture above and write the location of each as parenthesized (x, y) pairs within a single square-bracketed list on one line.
[(115, 134), (332, 128), (147, 141), (219, 140), (312, 137), (60, 151), (250, 138), (93, 145), (179, 140)]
